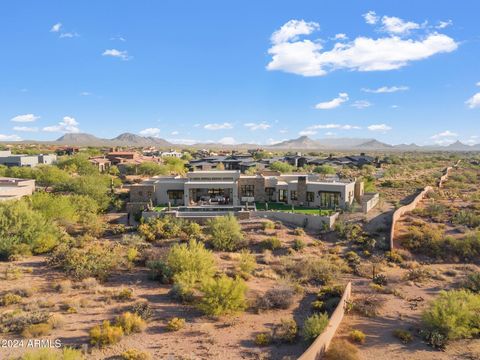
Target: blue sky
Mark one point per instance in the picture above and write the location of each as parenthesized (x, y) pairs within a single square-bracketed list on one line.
[(243, 71)]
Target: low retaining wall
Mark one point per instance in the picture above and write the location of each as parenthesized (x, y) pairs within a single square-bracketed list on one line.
[(310, 222), (197, 216), (369, 201), (321, 343)]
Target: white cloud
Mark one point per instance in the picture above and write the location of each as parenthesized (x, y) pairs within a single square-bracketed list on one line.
[(370, 17), (386, 89), (56, 27), (396, 25), (150, 132), (183, 141), (474, 101), (444, 141), (395, 106), (25, 118), (362, 104), (25, 128), (379, 127), (227, 141), (85, 93), (223, 126), (292, 29), (283, 131), (341, 36), (308, 58), (444, 134), (444, 24), (307, 132), (121, 54), (329, 133), (119, 38), (257, 126), (174, 133), (69, 35), (478, 83), (13, 137), (332, 104), (68, 125)]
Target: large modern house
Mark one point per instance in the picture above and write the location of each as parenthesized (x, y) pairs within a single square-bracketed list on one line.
[(9, 159), (13, 189), (234, 189)]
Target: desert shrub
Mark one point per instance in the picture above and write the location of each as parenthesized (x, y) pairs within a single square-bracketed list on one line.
[(160, 271), (10, 299), (268, 225), (246, 263), (403, 335), (394, 256), (368, 305), (380, 279), (134, 354), (225, 233), (192, 258), (192, 230), (328, 298), (279, 297), (467, 218), (63, 286), (314, 326), (418, 274), (142, 309), (298, 245), (88, 284), (161, 228), (222, 296), (352, 258), (175, 324), (132, 255), (124, 295), (184, 286), (130, 323), (452, 315), (322, 270), (50, 354), (272, 243), (105, 334), (56, 321), (342, 350), (299, 232), (16, 322), (472, 282), (97, 260), (262, 339), (286, 331), (24, 292), (357, 336), (37, 330)]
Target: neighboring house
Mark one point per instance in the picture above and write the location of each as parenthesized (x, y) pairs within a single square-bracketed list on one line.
[(241, 162), (12, 189), (102, 163), (350, 160), (9, 159), (67, 150), (118, 157), (171, 153), (233, 188)]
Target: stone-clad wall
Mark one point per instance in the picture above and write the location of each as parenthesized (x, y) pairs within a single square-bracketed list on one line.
[(310, 222), (322, 342)]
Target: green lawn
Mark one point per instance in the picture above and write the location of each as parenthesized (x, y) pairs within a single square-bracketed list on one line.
[(297, 209)]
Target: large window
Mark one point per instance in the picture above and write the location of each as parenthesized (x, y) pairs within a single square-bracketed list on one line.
[(310, 196), (282, 195), (247, 190), (270, 192), (175, 194), (293, 195), (329, 199)]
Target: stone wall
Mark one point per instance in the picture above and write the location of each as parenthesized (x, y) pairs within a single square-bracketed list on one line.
[(310, 222), (322, 342), (369, 201)]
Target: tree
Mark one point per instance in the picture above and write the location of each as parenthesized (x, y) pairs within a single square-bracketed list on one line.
[(283, 167), (50, 176), (223, 296), (225, 233), (325, 169)]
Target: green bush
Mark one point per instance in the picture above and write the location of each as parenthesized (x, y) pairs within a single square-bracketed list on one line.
[(142, 309), (278, 297), (10, 299), (314, 326), (268, 225), (322, 270), (357, 336), (225, 233), (105, 334), (134, 354), (175, 324), (453, 315), (286, 331), (246, 263), (272, 243), (130, 323), (262, 339), (403, 335), (298, 245), (473, 282), (97, 259), (223, 296), (342, 350), (37, 330)]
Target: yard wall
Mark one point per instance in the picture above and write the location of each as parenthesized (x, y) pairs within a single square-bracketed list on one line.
[(411, 206), (198, 217), (370, 200), (310, 222), (322, 342)]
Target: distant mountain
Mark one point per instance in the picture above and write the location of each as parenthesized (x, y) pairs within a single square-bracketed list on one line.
[(125, 139), (408, 147), (374, 145), (459, 146), (303, 142)]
